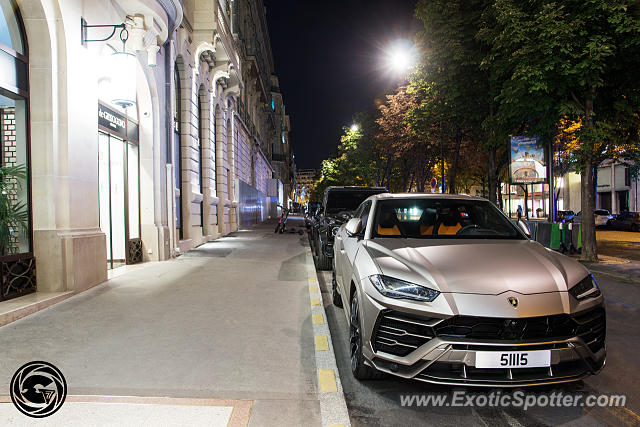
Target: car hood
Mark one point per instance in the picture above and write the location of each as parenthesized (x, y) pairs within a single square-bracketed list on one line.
[(488, 267)]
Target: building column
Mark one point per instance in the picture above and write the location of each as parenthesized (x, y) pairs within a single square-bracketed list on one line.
[(614, 199)]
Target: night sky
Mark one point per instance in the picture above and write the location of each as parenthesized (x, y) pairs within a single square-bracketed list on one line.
[(328, 58)]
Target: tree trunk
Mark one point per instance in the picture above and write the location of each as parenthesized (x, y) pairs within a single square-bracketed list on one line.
[(492, 175), (453, 170), (587, 192), (588, 203)]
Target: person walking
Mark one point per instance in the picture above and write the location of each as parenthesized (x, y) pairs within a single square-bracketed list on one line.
[(519, 212)]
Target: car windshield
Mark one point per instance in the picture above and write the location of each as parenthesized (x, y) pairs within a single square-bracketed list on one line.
[(434, 218), (338, 201)]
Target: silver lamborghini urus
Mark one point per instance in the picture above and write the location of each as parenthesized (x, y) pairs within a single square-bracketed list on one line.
[(446, 289)]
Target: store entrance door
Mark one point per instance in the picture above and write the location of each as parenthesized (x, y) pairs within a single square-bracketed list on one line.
[(118, 170)]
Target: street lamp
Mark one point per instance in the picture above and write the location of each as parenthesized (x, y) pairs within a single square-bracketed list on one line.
[(401, 56), (122, 65), (355, 127)]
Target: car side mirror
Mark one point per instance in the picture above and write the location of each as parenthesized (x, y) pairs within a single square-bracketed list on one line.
[(353, 226), (524, 228)]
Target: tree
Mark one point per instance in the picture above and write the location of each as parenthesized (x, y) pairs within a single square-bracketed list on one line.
[(458, 89), (406, 149), (573, 59)]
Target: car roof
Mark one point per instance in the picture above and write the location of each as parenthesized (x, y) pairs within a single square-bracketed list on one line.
[(387, 196), (355, 188)]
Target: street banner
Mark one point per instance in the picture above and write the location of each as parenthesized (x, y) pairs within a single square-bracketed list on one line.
[(527, 163)]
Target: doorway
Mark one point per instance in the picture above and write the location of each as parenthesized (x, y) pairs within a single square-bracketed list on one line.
[(119, 177)]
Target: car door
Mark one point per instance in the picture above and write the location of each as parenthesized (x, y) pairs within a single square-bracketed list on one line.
[(351, 244), (338, 248)]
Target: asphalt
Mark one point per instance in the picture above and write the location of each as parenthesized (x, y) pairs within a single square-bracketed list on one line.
[(229, 320), (616, 243), (377, 402)]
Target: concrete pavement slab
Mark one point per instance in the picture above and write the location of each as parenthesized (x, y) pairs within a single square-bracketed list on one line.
[(230, 321)]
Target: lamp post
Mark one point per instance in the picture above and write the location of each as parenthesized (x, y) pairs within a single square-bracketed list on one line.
[(122, 65)]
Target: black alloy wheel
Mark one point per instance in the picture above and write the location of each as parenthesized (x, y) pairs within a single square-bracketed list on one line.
[(358, 368)]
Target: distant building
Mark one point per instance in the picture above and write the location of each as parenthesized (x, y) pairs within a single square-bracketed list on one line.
[(304, 181)]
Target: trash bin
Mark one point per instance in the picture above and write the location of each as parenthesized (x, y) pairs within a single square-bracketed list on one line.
[(543, 234), (555, 240)]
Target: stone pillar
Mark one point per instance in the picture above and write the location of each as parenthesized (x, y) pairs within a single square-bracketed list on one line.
[(614, 199)]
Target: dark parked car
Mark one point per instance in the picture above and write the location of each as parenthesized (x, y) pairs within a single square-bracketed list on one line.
[(337, 208), (601, 217), (626, 221), (566, 216), (311, 210)]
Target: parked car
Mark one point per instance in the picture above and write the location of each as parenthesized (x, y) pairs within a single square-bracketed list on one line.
[(601, 216), (566, 216), (626, 221), (337, 207), (445, 289), (311, 210)]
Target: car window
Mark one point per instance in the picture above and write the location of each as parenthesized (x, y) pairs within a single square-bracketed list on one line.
[(442, 218), (339, 201), (364, 216)]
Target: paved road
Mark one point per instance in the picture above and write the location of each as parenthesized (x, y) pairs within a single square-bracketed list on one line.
[(230, 320), (377, 403), (622, 244)]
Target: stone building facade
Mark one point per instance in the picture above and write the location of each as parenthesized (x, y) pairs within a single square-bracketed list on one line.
[(137, 145)]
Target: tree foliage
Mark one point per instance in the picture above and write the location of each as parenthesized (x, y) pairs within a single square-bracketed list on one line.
[(565, 71)]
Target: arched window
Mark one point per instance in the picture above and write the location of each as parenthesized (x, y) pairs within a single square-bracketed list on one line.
[(201, 159), (16, 251), (177, 158)]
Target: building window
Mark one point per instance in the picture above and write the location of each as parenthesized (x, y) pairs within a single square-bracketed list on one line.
[(15, 216), (201, 160), (627, 177), (177, 147), (16, 231)]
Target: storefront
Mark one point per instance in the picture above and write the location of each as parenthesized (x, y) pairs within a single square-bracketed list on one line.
[(119, 186), (17, 262)]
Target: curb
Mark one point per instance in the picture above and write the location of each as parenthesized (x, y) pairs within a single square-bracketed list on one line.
[(333, 406)]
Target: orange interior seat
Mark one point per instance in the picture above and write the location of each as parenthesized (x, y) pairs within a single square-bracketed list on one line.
[(449, 229), (389, 231)]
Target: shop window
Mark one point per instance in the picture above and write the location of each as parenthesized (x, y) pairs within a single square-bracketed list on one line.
[(16, 253)]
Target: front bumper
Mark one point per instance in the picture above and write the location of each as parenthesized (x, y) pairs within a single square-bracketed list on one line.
[(411, 346)]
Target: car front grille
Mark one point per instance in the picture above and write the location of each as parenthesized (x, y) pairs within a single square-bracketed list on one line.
[(505, 328), (591, 326), (462, 374), (399, 333)]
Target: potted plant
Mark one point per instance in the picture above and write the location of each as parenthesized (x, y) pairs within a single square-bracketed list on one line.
[(14, 214)]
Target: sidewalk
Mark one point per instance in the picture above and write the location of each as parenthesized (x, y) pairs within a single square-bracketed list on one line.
[(228, 324), (619, 268)]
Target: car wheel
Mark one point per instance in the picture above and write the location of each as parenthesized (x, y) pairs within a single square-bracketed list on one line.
[(324, 262), (358, 368), (335, 295)]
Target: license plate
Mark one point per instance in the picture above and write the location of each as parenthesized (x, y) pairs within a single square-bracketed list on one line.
[(513, 359)]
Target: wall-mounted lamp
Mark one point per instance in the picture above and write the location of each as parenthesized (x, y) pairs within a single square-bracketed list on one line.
[(122, 65)]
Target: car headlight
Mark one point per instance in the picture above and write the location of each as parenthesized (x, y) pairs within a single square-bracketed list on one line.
[(396, 288), (586, 288)]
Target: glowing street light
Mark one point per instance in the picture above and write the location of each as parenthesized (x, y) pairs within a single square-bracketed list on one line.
[(401, 56), (355, 127)]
